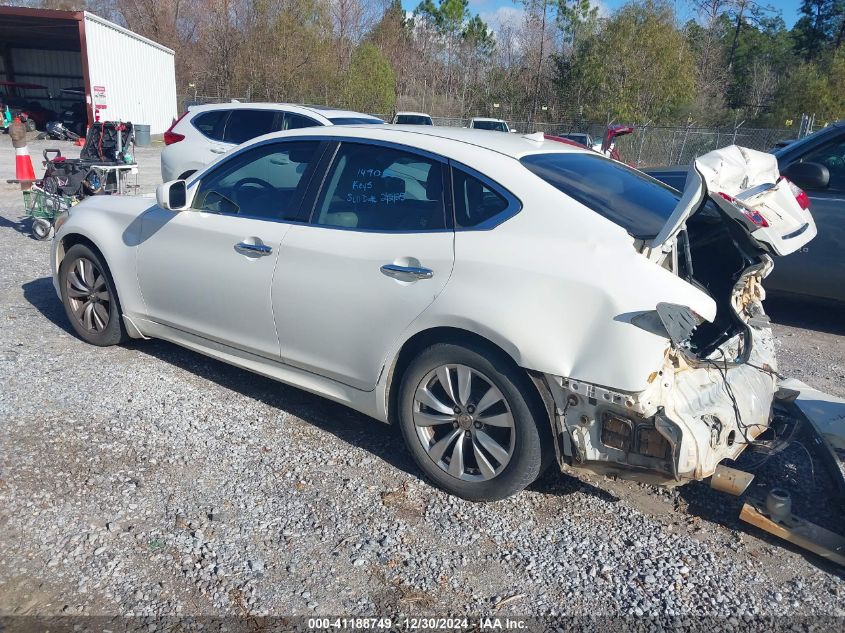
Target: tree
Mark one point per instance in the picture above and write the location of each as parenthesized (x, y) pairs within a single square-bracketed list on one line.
[(637, 68), (821, 26), (372, 83)]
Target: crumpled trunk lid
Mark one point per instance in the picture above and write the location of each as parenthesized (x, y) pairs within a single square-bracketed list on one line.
[(748, 187)]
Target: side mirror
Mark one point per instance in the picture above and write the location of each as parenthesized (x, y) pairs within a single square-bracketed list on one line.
[(808, 175), (172, 195)]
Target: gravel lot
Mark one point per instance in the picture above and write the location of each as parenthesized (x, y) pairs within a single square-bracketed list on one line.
[(150, 480)]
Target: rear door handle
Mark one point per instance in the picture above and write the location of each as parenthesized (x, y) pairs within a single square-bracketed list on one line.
[(253, 249), (218, 150), (407, 273)]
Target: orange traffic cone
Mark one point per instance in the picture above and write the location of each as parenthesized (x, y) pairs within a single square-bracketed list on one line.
[(24, 173)]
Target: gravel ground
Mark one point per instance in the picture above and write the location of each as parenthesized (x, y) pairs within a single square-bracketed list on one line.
[(149, 480)]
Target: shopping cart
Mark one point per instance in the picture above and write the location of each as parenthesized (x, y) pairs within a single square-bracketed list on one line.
[(44, 208)]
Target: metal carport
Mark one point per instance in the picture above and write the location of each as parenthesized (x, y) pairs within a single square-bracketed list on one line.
[(125, 76)]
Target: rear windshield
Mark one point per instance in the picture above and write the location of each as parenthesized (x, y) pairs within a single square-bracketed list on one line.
[(354, 120), (625, 196), (496, 126), (412, 119)]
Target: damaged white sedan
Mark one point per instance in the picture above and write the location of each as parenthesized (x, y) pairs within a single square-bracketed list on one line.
[(508, 300)]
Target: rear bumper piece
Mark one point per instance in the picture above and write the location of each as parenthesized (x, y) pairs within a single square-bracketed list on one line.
[(691, 417)]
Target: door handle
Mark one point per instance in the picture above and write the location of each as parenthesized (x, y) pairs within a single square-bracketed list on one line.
[(218, 150), (253, 249), (406, 273)]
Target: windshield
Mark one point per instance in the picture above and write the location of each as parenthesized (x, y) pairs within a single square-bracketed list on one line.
[(354, 120), (413, 119), (638, 203), (496, 126)]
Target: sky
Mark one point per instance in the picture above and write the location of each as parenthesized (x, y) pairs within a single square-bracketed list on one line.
[(497, 11)]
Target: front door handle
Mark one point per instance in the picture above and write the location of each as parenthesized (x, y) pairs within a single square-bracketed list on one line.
[(261, 250), (406, 273)]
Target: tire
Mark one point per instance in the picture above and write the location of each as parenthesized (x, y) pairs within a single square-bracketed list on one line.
[(42, 229), (85, 280), (499, 407), (30, 125)]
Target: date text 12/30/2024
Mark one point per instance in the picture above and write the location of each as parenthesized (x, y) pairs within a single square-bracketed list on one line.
[(417, 624)]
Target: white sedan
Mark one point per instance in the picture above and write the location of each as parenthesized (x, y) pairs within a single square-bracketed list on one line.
[(508, 300)]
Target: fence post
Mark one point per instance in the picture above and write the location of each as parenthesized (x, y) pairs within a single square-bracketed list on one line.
[(683, 144), (642, 142)]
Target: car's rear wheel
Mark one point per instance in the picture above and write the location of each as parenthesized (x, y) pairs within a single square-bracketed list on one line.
[(468, 418), (89, 297)]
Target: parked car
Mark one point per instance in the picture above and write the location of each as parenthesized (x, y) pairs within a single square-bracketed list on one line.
[(23, 102), (815, 163), (412, 118), (483, 123), (560, 306), (203, 133)]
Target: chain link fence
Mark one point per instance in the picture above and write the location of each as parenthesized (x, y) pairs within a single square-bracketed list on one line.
[(647, 146)]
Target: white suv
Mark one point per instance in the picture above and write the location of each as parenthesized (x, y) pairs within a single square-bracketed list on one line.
[(205, 132)]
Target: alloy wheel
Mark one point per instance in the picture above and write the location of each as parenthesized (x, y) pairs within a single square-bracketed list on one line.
[(464, 423), (88, 295)]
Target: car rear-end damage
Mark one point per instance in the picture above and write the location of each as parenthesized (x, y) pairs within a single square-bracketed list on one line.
[(712, 394)]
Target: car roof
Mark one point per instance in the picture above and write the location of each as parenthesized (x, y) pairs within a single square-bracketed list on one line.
[(484, 118), (431, 138), (410, 113), (326, 112)]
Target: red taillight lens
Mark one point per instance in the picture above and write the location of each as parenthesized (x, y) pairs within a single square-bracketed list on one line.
[(170, 136), (748, 212), (801, 196)]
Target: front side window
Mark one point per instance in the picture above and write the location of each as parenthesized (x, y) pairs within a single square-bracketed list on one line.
[(627, 197), (211, 123), (475, 201), (265, 182), (371, 187), (244, 125)]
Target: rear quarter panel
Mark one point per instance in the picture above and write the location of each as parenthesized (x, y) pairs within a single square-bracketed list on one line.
[(556, 285)]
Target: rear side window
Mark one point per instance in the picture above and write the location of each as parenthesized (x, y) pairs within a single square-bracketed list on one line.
[(475, 201), (374, 188), (625, 196), (295, 121), (244, 125), (211, 123), (355, 121)]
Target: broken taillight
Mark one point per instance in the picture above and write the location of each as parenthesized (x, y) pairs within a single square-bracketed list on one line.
[(170, 136), (801, 196), (748, 212)]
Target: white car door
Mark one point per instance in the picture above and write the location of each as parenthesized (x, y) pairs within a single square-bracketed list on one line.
[(377, 251), (208, 270)]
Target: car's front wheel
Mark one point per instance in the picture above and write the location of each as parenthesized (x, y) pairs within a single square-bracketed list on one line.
[(89, 297), (468, 418)]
